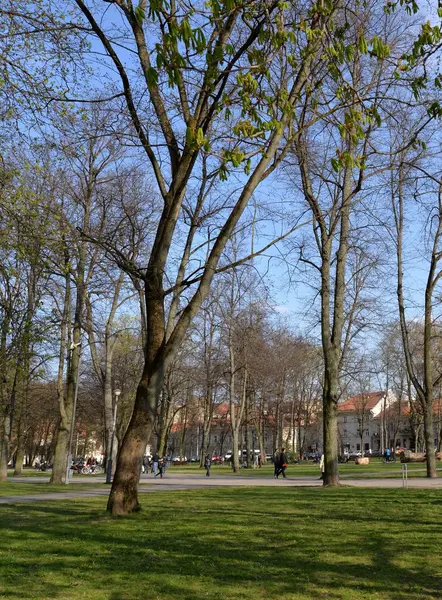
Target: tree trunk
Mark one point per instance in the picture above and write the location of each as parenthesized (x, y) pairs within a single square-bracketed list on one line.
[(235, 451), (108, 402), (429, 438), (262, 448), (205, 442), (331, 474), (164, 423), (123, 498), (66, 401), (20, 452), (4, 447), (250, 460), (182, 435)]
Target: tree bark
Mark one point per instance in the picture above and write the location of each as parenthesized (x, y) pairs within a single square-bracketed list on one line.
[(123, 498), (429, 440), (21, 448)]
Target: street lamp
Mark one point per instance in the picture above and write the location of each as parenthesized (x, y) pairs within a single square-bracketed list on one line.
[(109, 463)]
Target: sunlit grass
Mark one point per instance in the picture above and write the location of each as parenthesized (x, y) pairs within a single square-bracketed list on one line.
[(228, 544), (21, 489), (375, 469)]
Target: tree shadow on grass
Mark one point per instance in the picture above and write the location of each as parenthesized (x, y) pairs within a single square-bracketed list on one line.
[(229, 544)]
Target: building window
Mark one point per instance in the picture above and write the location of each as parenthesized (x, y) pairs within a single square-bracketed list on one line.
[(358, 446), (345, 419)]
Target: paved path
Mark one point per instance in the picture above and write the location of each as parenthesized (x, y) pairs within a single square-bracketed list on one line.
[(177, 481)]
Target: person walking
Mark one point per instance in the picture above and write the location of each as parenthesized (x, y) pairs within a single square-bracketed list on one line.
[(160, 468), (207, 464), (155, 461), (322, 467), (283, 464), (276, 463)]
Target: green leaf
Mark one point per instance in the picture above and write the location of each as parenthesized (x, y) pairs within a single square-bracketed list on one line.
[(139, 13), (200, 139), (152, 76)]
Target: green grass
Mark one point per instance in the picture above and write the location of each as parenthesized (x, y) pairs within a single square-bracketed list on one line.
[(30, 473), (34, 473), (21, 489), (228, 544), (375, 469)]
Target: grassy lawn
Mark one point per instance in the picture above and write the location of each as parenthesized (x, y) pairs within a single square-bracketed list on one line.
[(20, 489), (30, 473), (228, 544), (34, 473), (375, 469)]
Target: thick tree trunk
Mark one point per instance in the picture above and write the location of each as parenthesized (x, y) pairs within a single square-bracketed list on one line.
[(60, 456), (123, 498)]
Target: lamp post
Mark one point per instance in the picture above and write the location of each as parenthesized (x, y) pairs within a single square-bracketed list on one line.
[(110, 461)]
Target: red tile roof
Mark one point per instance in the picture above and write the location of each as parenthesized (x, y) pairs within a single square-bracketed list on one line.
[(393, 409), (362, 401)]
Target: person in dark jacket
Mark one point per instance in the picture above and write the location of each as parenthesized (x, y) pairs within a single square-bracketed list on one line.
[(275, 463), (207, 464), (160, 468), (282, 464)]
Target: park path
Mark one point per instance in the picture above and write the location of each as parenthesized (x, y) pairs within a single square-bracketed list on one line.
[(173, 482)]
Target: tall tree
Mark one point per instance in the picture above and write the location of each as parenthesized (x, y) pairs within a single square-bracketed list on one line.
[(222, 80), (425, 381), (333, 169)]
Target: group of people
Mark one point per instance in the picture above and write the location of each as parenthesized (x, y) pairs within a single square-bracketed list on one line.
[(156, 464), (280, 463)]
